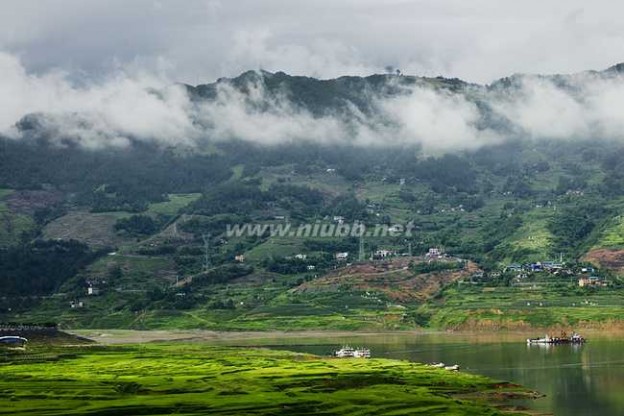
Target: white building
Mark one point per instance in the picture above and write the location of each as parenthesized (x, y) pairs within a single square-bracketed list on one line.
[(342, 256), (434, 253), (383, 253)]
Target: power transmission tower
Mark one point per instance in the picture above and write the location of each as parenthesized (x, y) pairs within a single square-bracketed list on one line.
[(206, 238), (361, 253)]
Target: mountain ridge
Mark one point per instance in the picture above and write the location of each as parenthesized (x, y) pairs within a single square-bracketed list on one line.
[(135, 235)]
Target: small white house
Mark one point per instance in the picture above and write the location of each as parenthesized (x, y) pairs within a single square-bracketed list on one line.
[(434, 253), (383, 253), (342, 256)]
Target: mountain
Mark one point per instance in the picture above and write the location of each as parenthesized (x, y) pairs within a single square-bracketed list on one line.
[(134, 232)]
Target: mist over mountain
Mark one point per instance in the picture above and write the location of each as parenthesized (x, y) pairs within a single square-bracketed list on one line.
[(129, 186), (437, 114), (429, 183)]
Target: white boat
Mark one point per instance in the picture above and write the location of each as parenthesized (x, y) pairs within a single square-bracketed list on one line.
[(362, 353), (574, 339), (13, 341), (349, 352), (452, 367), (344, 352), (545, 340), (437, 365)]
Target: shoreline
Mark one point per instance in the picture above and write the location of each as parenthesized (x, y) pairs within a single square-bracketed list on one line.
[(131, 336), (162, 378)]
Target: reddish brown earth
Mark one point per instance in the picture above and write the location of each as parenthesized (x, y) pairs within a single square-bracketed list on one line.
[(607, 258), (392, 278)]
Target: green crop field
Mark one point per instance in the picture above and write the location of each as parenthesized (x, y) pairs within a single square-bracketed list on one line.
[(199, 379), (613, 235), (12, 225), (5, 192), (175, 203), (535, 305)]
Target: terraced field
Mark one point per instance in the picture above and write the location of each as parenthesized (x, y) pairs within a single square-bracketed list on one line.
[(539, 305), (198, 379)]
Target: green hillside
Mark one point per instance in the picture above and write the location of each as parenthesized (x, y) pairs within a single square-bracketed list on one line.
[(138, 237)]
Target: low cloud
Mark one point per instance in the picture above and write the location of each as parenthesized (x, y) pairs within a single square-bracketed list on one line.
[(587, 105), (141, 106), (258, 117), (439, 121), (105, 114)]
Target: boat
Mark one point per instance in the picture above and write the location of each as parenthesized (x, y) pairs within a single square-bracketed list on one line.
[(563, 339), (13, 341), (454, 367), (349, 352), (344, 352), (362, 353)]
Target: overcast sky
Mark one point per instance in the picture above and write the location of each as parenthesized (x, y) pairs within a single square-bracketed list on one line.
[(200, 40)]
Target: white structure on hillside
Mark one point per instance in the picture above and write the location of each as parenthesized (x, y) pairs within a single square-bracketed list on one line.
[(342, 256), (383, 253), (434, 253)]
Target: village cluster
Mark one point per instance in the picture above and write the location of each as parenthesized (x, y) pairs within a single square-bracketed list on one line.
[(585, 274)]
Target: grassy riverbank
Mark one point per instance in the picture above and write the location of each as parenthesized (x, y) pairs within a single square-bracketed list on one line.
[(184, 378), (536, 306)]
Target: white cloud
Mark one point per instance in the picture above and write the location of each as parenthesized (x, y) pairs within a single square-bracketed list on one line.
[(544, 111), (321, 58), (438, 120), (259, 118), (138, 105), (590, 106), (113, 110), (207, 39)]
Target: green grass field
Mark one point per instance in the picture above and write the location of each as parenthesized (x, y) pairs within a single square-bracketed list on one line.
[(613, 234), (174, 205), (198, 379), (538, 305), (12, 225), (275, 247), (5, 192)]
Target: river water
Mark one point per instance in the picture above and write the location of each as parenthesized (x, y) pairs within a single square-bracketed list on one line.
[(578, 380)]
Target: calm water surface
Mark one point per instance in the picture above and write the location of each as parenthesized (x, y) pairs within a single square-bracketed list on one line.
[(585, 380)]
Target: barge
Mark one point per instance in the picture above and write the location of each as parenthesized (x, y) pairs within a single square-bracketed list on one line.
[(563, 339)]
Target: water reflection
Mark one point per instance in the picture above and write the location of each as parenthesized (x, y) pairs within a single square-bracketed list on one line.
[(578, 380)]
